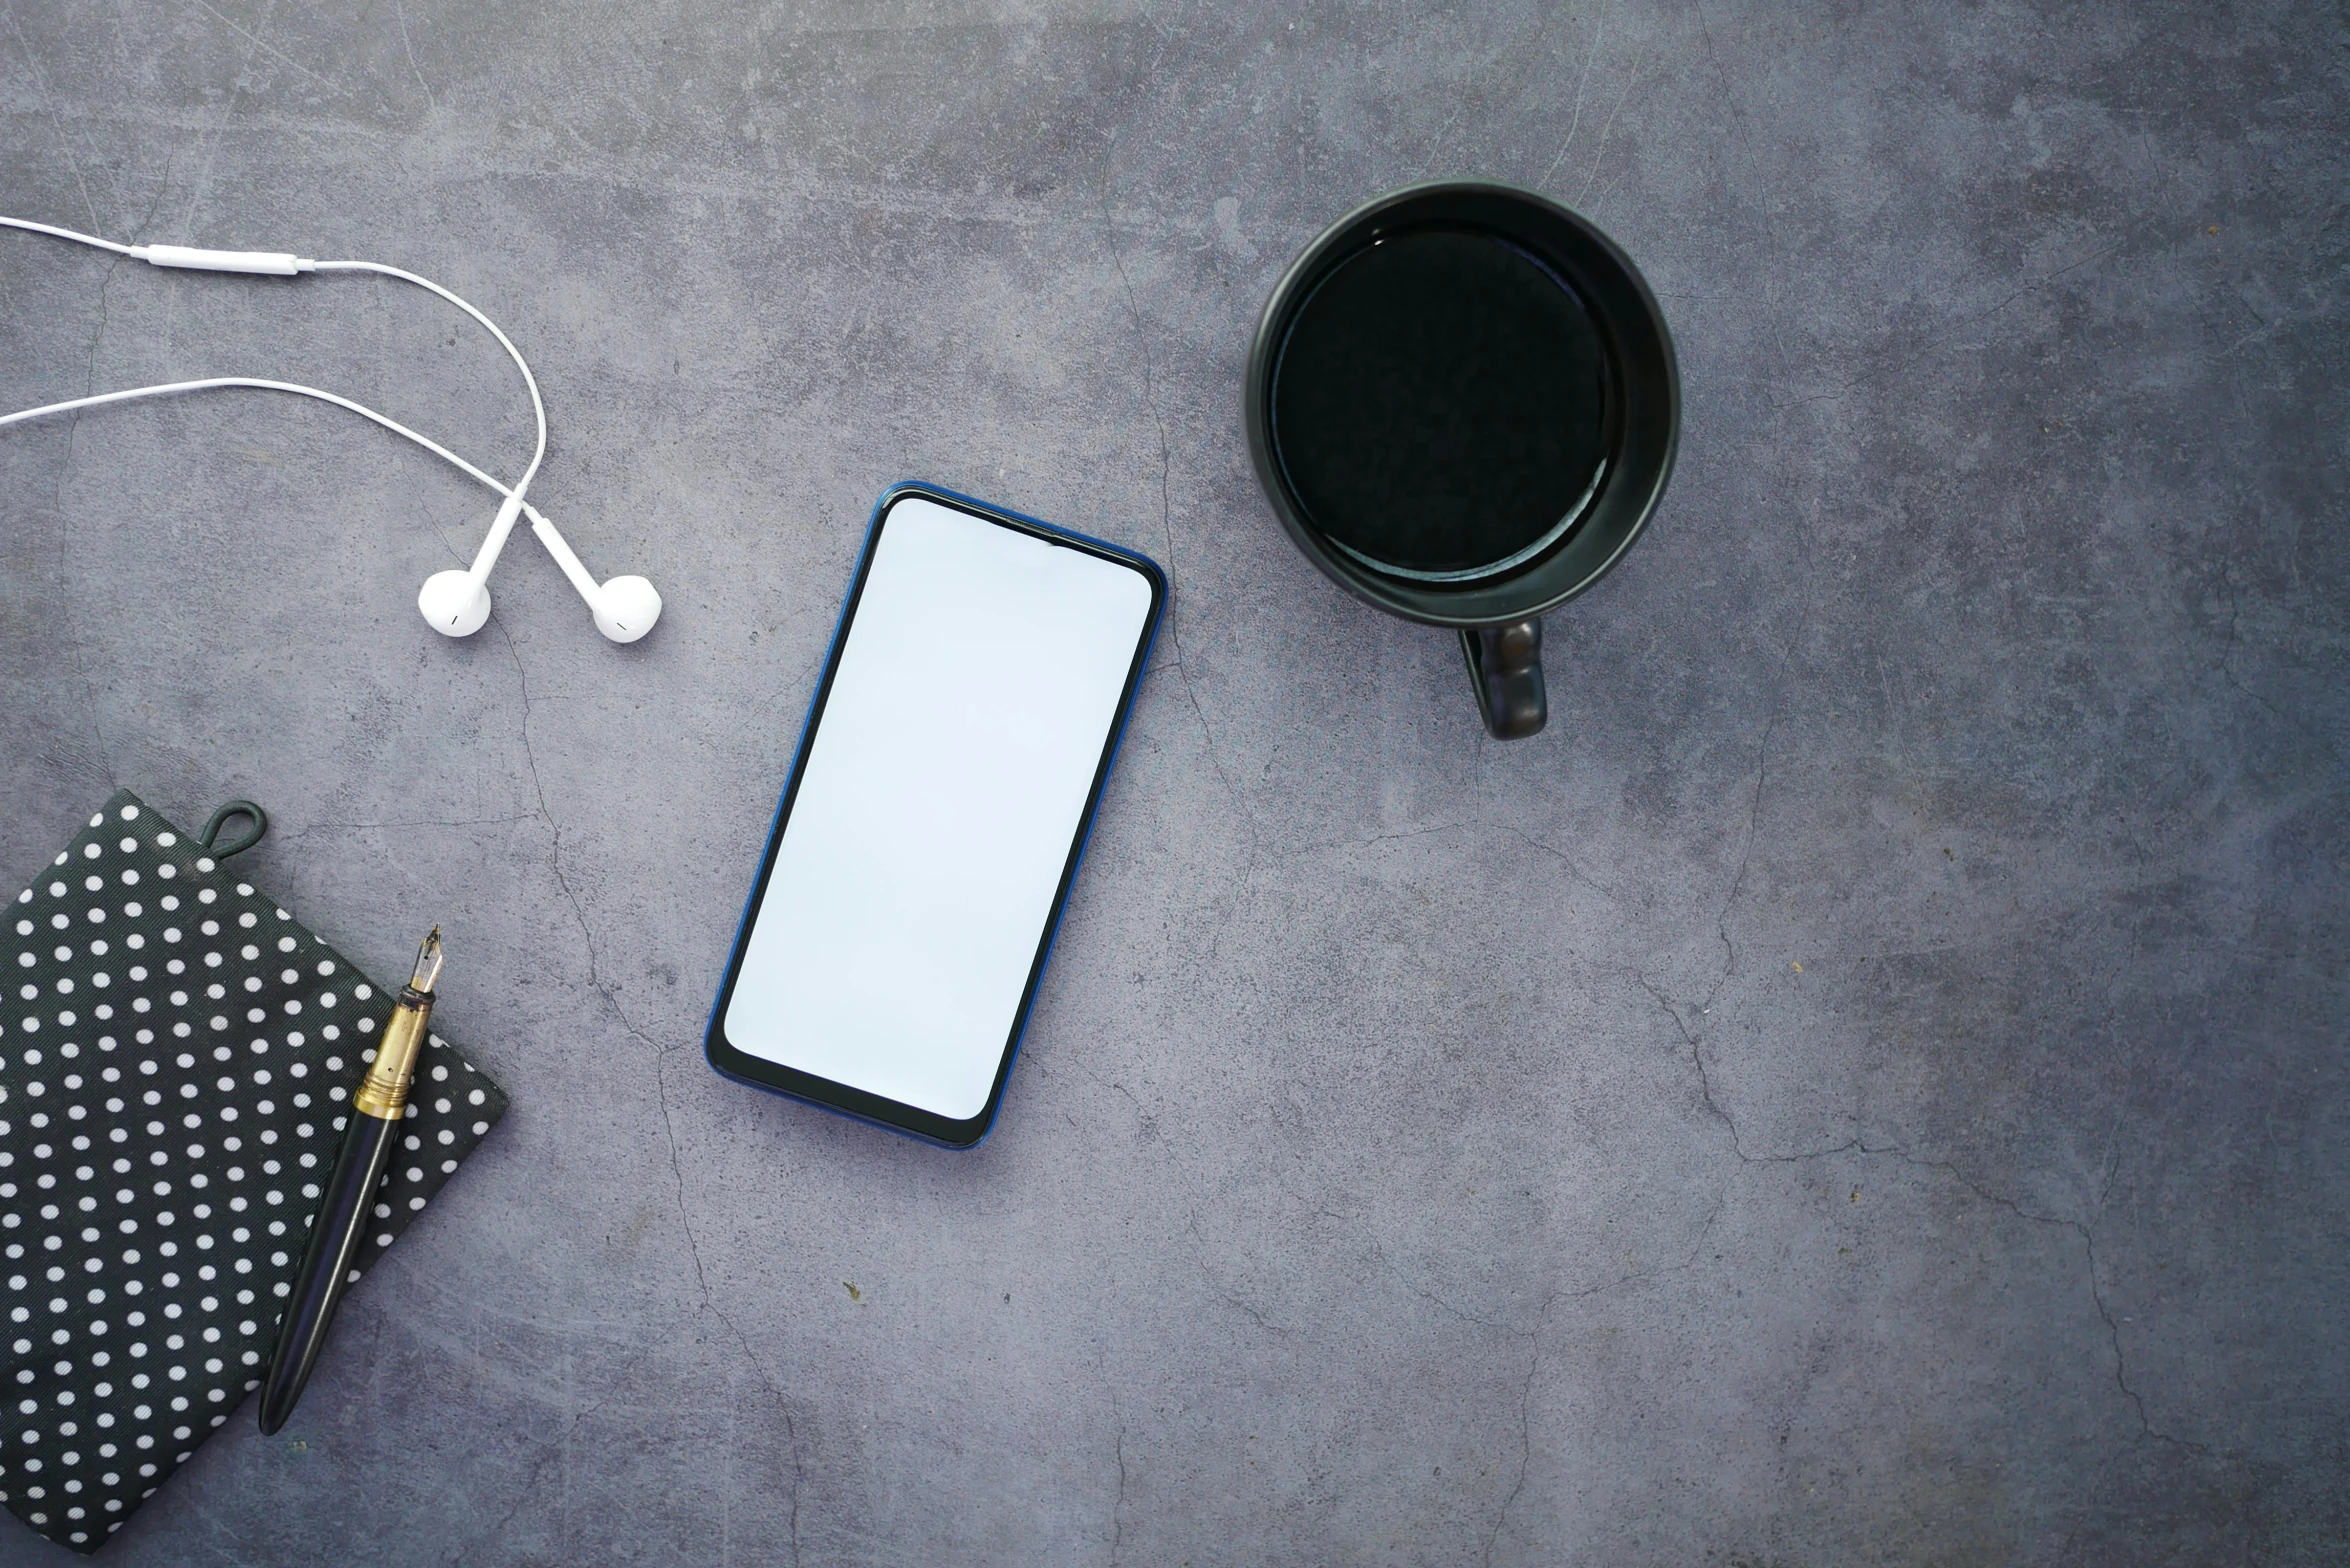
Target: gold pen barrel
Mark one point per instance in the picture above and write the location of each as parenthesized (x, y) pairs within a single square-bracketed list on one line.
[(384, 1092)]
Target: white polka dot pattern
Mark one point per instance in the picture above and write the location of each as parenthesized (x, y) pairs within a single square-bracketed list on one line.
[(177, 1057)]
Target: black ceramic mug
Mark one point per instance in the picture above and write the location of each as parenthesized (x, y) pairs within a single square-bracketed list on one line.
[(1463, 404)]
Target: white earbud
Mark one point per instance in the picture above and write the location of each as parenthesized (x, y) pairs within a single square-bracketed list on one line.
[(454, 604), (624, 608), (457, 603)]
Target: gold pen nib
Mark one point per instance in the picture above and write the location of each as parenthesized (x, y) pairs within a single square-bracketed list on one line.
[(428, 963)]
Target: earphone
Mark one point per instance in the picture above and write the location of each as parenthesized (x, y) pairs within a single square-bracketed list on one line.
[(454, 603)]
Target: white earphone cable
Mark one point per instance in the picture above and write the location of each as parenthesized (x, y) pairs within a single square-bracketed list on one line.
[(537, 408), (65, 234), (250, 261), (625, 608), (208, 382)]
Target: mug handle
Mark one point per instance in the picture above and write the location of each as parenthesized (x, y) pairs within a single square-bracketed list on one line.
[(1505, 665)]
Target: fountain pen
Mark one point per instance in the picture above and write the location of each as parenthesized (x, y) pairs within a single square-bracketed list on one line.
[(368, 1140)]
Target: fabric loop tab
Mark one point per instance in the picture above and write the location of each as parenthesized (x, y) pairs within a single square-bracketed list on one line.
[(235, 808)]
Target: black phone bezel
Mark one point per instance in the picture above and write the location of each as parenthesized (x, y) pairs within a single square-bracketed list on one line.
[(824, 1093)]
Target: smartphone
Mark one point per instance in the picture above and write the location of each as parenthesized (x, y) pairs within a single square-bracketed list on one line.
[(952, 761)]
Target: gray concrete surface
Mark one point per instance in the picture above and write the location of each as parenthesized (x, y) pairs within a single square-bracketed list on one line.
[(1867, 1086)]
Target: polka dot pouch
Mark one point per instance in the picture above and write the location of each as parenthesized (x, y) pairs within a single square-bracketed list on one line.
[(177, 1057)]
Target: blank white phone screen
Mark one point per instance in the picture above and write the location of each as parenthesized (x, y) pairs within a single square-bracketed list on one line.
[(941, 800)]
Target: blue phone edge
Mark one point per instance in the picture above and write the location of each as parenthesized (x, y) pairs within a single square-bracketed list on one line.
[(1163, 593)]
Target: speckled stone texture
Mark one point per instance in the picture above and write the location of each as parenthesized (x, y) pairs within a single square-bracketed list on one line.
[(1866, 1086)]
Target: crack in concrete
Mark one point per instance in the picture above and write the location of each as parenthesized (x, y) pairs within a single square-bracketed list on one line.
[(2088, 1235), (1501, 1515), (710, 1302), (1118, 1505), (401, 11), (1599, 148), (1324, 847), (1762, 773), (258, 47), (56, 116), (2033, 287), (538, 1470), (1167, 528), (1705, 1087), (596, 983), (1526, 1451), (213, 129), (539, 789), (1533, 1338), (369, 827), (1200, 1256), (1582, 80), (1561, 856), (1143, 1119), (1860, 1146), (81, 656), (529, 1486)]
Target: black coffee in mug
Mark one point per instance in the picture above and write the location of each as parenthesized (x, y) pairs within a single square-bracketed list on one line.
[(1440, 406), (1463, 405)]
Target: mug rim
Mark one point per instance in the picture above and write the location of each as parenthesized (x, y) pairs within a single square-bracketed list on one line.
[(1629, 502)]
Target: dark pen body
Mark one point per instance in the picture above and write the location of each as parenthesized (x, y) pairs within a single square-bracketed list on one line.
[(377, 1111)]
